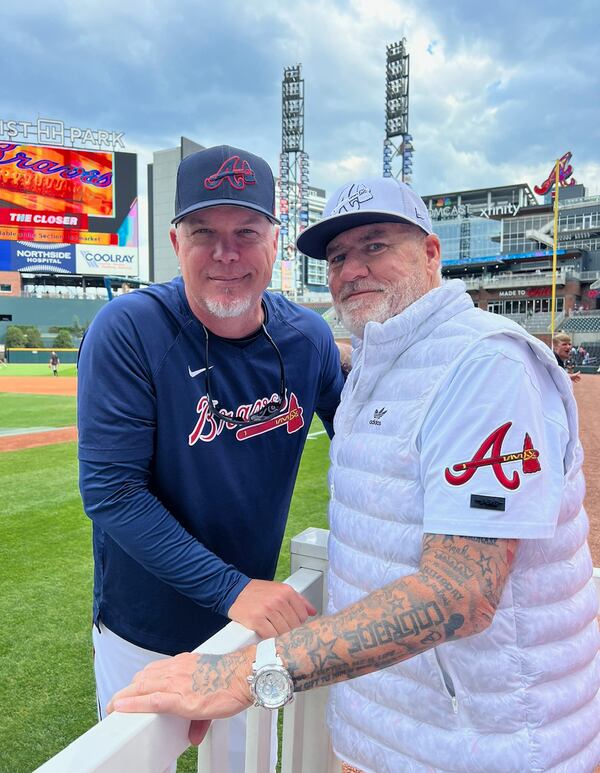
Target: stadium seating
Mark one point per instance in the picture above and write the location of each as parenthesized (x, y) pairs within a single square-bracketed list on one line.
[(584, 323)]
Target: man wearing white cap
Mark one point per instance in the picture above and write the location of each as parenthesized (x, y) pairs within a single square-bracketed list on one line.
[(460, 579)]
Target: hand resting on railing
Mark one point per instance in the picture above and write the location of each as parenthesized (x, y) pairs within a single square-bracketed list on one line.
[(270, 608), (218, 688)]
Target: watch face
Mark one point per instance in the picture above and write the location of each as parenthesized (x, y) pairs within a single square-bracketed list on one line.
[(273, 688)]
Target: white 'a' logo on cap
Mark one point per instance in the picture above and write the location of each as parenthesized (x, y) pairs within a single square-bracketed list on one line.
[(351, 197)]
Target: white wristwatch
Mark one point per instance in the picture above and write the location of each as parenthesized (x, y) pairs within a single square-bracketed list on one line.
[(270, 683)]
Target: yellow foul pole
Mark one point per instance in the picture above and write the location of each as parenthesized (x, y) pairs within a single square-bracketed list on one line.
[(555, 241)]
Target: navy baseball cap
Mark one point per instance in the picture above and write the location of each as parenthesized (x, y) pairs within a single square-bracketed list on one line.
[(224, 175), (372, 200)]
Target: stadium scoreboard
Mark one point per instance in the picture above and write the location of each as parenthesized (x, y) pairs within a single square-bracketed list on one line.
[(67, 210)]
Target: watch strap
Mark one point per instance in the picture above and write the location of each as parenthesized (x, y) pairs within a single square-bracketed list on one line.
[(266, 654)]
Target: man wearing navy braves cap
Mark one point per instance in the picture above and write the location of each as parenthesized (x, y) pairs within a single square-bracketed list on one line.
[(195, 399), (460, 580), (240, 179)]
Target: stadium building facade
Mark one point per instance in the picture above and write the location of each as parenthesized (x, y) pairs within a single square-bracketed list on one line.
[(500, 242), (312, 273), (162, 179)]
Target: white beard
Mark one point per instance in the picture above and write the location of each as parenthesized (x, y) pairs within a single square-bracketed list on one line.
[(227, 309), (393, 299)]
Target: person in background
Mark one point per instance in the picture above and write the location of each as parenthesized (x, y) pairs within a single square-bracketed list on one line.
[(562, 348), (53, 363)]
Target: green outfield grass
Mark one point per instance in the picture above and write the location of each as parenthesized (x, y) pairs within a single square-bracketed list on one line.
[(36, 369), (36, 411), (46, 679)]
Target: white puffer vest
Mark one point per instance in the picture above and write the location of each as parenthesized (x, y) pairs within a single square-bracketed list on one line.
[(522, 696)]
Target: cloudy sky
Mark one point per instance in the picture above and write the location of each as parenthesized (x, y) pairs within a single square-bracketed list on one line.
[(497, 90)]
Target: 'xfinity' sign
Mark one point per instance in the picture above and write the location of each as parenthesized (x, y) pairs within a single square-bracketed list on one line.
[(445, 209), (47, 131), (107, 260)]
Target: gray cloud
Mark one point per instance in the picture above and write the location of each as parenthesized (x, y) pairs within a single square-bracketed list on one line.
[(497, 90)]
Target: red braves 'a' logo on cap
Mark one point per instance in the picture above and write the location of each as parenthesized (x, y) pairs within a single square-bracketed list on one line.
[(528, 456), (237, 174)]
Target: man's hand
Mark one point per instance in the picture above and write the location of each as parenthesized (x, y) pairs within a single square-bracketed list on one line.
[(270, 608), (345, 350), (575, 377), (199, 687)]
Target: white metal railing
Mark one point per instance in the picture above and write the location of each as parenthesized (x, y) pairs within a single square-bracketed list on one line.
[(150, 743), (523, 280), (584, 313), (589, 276)]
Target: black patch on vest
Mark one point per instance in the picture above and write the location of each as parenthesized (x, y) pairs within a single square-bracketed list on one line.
[(488, 503)]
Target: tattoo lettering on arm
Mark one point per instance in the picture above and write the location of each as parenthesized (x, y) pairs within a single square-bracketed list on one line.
[(454, 594), (399, 627)]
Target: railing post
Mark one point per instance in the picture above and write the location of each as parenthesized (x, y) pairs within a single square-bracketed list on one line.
[(213, 755), (308, 550), (306, 744)]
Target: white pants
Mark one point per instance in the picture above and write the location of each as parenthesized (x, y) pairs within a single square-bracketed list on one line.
[(116, 661)]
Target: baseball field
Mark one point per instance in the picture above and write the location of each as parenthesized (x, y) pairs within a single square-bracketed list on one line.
[(46, 681)]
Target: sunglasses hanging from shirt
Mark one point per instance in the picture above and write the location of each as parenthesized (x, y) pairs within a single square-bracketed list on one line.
[(276, 407)]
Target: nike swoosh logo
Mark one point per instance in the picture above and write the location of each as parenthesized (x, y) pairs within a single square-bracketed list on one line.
[(194, 373)]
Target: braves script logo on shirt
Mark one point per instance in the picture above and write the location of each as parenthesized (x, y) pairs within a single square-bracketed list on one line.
[(493, 444), (208, 427), (237, 175)]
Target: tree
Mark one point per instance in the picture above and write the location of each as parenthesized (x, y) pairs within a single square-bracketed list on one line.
[(63, 340), (14, 337), (33, 338)]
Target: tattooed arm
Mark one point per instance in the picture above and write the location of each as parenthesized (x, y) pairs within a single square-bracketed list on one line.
[(453, 595)]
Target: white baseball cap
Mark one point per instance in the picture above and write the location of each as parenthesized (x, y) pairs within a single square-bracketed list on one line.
[(372, 200)]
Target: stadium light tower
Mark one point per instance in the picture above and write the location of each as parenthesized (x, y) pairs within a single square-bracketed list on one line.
[(397, 146), (293, 176)]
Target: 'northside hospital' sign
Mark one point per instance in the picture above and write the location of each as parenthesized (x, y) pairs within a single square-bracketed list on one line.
[(47, 131)]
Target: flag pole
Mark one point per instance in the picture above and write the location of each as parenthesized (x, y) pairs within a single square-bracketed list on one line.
[(554, 244)]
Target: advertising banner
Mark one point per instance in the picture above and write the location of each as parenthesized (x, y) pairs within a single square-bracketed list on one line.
[(106, 260), (5, 256), (55, 236), (50, 258), (23, 218)]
